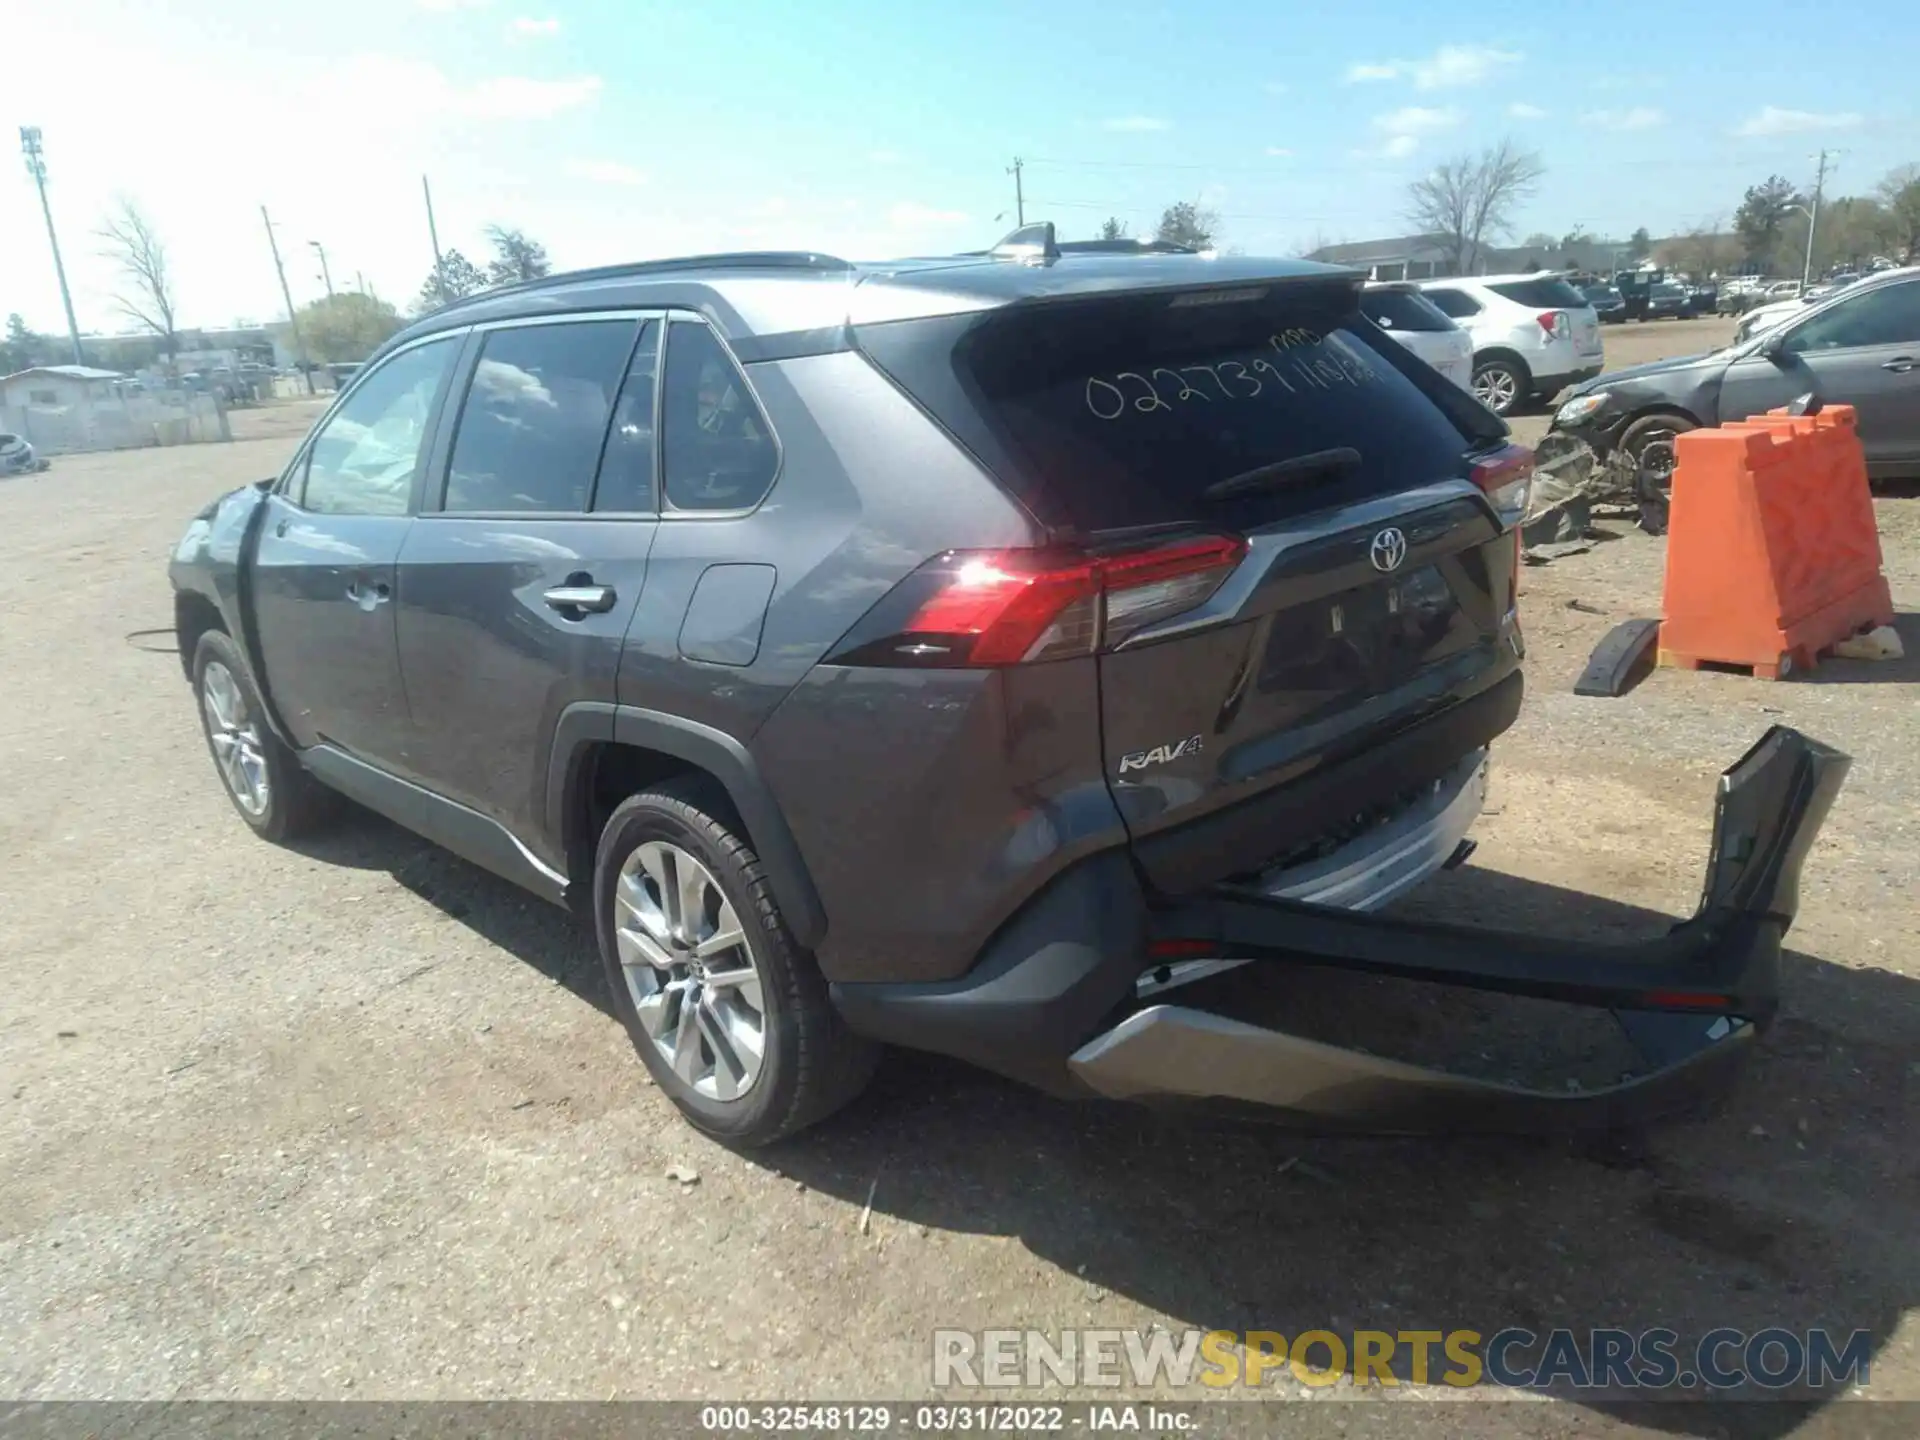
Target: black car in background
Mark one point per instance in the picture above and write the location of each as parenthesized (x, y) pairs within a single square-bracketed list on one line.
[(1607, 301), (1702, 300), (1666, 301)]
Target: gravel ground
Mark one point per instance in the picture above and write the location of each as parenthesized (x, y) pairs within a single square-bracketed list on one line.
[(353, 1121)]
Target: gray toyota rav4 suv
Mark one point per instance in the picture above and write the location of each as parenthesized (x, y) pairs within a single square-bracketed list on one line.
[(879, 654)]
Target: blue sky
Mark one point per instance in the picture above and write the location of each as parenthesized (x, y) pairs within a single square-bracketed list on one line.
[(627, 130)]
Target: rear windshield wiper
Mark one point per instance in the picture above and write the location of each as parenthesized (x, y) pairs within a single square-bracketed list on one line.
[(1321, 464)]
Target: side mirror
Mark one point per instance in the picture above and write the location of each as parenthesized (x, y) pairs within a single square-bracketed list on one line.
[(1774, 347)]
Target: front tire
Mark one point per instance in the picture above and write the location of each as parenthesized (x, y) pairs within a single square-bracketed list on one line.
[(1648, 443), (262, 777), (728, 1014)]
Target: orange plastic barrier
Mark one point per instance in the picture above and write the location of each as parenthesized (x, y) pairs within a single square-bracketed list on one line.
[(1772, 551)]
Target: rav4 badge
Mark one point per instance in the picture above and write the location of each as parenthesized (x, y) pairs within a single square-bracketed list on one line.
[(1159, 754)]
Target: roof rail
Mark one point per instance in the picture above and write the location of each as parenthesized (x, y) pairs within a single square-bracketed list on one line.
[(1125, 247), (728, 260)]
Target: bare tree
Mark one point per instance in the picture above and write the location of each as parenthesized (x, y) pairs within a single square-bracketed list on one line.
[(1187, 222), (1705, 248), (1900, 193), (145, 296), (517, 256), (1471, 198)]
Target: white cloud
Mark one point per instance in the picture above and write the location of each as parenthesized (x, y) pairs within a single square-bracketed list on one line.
[(1640, 117), (1775, 121), (1449, 67), (1135, 124), (1520, 110), (527, 25), (1278, 151), (908, 215), (517, 97), (605, 172), (420, 89), (1402, 130)]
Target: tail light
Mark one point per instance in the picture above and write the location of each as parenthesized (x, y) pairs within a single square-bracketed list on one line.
[(1506, 475), (1555, 323), (977, 608)]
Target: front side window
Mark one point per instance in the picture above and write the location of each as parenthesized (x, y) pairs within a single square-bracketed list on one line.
[(535, 416), (363, 460), (717, 452), (1887, 316)]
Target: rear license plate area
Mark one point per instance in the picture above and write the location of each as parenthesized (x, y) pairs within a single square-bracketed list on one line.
[(1366, 639)]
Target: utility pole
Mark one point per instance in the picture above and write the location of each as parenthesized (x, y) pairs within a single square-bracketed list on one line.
[(1813, 219), (326, 275), (433, 234), (37, 168), (1019, 195), (293, 320)]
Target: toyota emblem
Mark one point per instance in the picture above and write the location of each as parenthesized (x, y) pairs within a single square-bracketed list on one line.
[(1389, 550)]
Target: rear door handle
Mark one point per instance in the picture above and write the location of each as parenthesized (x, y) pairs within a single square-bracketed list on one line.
[(588, 599), (1900, 364), (369, 596)]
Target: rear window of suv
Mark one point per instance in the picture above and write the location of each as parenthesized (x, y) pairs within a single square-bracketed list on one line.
[(1540, 294), (1120, 412), (1403, 310)]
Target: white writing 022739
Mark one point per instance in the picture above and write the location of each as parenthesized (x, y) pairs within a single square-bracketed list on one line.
[(1230, 379)]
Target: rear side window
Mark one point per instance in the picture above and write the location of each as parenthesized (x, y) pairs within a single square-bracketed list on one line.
[(1122, 412), (535, 416), (1540, 294), (1403, 310), (716, 451), (1456, 303)]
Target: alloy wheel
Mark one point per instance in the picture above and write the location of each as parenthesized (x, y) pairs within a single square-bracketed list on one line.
[(690, 970), (235, 735), (1496, 389)]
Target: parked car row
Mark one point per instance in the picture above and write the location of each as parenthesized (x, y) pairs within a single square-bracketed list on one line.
[(1532, 335), (1859, 346)]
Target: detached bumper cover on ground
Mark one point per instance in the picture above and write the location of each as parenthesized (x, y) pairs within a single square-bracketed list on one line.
[(1052, 1005)]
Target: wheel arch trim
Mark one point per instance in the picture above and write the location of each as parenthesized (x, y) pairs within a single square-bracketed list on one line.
[(587, 723)]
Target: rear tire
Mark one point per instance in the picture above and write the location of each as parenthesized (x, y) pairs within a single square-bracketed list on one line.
[(263, 778), (741, 1036), (1501, 384)]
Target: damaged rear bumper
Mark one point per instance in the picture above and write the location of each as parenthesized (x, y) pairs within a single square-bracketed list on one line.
[(1054, 1002)]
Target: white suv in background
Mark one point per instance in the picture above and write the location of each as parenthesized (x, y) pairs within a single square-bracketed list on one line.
[(1533, 335), (1398, 307)]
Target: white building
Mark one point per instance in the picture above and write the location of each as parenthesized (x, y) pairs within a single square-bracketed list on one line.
[(56, 386)]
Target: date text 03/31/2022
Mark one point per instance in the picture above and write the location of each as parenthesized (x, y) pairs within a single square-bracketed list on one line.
[(943, 1419)]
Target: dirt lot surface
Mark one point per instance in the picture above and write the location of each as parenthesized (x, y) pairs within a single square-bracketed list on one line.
[(354, 1121)]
